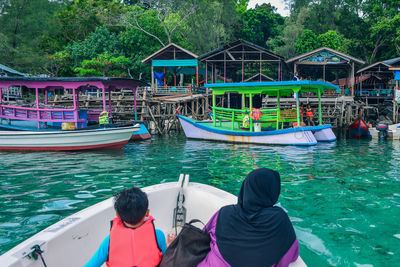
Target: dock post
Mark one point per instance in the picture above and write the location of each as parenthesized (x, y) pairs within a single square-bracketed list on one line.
[(37, 106), (319, 107), (214, 102), (278, 112), (251, 106), (134, 102)]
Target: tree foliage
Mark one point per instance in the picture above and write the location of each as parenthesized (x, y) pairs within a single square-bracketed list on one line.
[(104, 65), (98, 42), (306, 42), (24, 27), (211, 26), (369, 28), (332, 40), (98, 37), (260, 24)]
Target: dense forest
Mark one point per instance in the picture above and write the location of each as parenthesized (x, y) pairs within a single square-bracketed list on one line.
[(110, 37)]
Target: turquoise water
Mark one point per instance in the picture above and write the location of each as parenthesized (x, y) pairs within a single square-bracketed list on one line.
[(343, 197)]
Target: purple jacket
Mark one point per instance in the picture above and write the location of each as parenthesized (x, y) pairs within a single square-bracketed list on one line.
[(214, 257)]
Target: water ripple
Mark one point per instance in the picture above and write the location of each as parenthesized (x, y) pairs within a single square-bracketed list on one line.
[(343, 197)]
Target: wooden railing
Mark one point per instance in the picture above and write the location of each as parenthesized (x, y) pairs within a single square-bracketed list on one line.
[(173, 90), (40, 115)]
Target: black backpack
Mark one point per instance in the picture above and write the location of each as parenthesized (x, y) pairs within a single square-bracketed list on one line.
[(189, 248)]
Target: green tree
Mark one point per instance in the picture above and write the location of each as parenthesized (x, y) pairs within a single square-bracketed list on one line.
[(292, 30), (332, 40), (260, 24), (306, 42), (369, 27), (104, 65), (385, 33), (170, 14), (98, 42), (212, 25), (59, 64), (241, 6), (79, 18), (24, 24)]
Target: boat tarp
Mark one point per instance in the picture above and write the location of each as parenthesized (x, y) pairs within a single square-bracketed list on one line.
[(71, 82), (283, 88)]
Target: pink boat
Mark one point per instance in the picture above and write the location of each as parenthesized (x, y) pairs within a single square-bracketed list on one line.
[(87, 139), (41, 118)]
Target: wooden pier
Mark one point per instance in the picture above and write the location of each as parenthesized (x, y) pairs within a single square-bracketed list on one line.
[(158, 111)]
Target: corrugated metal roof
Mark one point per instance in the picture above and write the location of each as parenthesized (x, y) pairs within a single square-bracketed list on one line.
[(10, 70), (165, 48), (392, 61), (235, 43)]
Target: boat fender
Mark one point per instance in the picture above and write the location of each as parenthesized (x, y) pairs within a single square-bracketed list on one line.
[(255, 114)]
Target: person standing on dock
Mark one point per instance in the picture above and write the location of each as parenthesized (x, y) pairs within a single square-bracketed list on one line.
[(296, 76), (309, 115)]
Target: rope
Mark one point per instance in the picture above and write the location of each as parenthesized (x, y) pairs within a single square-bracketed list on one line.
[(37, 252), (301, 134)]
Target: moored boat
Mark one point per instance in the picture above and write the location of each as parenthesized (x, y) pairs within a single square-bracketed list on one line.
[(22, 114), (142, 134), (274, 126), (73, 240), (85, 139), (358, 129)]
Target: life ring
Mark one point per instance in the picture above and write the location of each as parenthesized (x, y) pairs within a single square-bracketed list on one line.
[(255, 114)]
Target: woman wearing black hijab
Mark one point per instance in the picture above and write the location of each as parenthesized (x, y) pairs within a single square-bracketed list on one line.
[(253, 232)]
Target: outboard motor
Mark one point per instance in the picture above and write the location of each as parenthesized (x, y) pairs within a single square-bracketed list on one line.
[(383, 129)]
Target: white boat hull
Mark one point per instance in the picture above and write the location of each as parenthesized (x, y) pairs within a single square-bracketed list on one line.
[(73, 240), (325, 135), (103, 138), (293, 137)]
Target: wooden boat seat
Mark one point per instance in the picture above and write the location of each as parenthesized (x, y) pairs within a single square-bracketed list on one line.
[(288, 115), (268, 117)]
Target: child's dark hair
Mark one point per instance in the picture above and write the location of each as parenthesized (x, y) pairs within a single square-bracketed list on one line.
[(131, 205)]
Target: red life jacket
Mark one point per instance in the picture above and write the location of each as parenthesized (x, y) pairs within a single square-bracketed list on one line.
[(133, 247), (301, 111), (309, 112)]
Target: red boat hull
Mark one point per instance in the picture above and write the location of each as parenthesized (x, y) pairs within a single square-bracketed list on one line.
[(358, 129)]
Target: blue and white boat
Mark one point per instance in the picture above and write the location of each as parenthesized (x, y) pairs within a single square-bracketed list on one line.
[(272, 126)]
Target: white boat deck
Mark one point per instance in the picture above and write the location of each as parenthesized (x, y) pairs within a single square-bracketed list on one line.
[(73, 240)]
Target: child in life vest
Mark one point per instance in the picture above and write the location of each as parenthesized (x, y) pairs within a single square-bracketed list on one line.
[(133, 240)]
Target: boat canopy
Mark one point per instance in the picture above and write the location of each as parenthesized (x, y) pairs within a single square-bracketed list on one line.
[(50, 83), (283, 88)]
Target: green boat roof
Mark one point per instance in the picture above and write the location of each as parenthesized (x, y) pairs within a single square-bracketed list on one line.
[(284, 88)]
